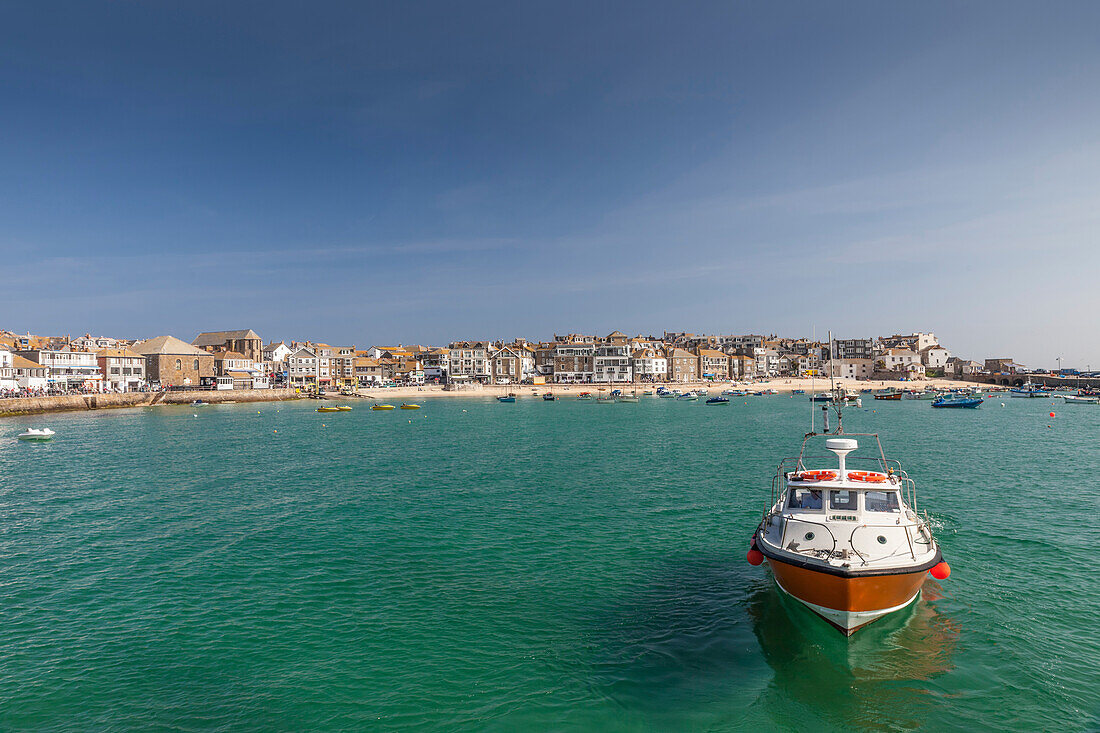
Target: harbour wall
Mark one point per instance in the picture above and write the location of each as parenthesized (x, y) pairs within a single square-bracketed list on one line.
[(68, 403)]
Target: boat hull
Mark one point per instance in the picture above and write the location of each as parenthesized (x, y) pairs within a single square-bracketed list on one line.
[(848, 603)]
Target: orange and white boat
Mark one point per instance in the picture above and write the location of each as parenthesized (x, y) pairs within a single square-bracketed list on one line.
[(849, 544)]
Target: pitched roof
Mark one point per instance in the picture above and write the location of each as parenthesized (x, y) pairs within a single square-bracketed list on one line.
[(229, 355), (216, 338), (117, 352), (166, 345), (19, 362)]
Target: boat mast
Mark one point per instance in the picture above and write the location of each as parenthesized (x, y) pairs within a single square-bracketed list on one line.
[(832, 388)]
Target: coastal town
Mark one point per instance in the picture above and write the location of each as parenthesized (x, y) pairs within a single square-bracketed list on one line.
[(240, 360)]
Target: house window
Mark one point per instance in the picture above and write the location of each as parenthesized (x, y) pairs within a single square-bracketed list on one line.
[(179, 364), (196, 366)]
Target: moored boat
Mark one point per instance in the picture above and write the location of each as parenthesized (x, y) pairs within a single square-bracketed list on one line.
[(1077, 399), (849, 545), (718, 401), (36, 434), (688, 397), (409, 406), (888, 395), (343, 408), (328, 409), (584, 396), (381, 407), (957, 400), (1029, 390), (506, 398), (549, 397)]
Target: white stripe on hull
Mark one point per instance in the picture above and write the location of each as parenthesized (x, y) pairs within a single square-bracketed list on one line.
[(848, 621)]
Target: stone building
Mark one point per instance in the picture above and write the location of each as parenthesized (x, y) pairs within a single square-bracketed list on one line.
[(245, 342), (170, 362)]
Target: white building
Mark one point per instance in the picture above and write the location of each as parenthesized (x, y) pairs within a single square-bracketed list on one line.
[(649, 365), (934, 357), (7, 372), (29, 374), (304, 368), (850, 368), (68, 369), (898, 360), (611, 363)]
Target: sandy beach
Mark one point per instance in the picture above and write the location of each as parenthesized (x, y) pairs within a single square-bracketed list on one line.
[(527, 390)]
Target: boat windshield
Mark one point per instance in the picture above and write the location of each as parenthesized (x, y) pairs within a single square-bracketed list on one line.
[(804, 499), (846, 500), (881, 501)]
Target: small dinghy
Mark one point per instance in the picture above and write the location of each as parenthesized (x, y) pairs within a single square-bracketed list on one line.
[(37, 434)]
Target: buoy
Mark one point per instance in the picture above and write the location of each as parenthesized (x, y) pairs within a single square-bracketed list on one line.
[(941, 571), (1002, 404), (276, 431), (755, 557), (1052, 414)]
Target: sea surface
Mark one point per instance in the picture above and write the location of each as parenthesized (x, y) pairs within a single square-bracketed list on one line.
[(531, 566)]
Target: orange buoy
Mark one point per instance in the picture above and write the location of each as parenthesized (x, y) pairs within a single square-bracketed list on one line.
[(755, 557), (1052, 414), (941, 571)]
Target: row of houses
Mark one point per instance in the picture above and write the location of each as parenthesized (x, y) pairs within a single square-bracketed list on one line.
[(240, 360)]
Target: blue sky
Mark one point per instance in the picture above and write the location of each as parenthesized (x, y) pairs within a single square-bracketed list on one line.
[(369, 173)]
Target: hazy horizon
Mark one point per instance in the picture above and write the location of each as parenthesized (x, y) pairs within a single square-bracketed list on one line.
[(420, 174)]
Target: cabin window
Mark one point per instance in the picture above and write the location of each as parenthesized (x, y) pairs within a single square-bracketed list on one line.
[(804, 499), (881, 501), (843, 500)]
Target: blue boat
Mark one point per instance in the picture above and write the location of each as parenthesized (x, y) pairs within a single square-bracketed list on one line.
[(506, 398), (957, 400), (821, 398), (718, 401), (798, 391)]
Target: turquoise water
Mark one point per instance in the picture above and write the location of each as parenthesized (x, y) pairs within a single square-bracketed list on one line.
[(527, 566)]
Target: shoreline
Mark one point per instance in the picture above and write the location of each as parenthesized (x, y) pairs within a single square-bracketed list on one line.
[(20, 406), (784, 386)]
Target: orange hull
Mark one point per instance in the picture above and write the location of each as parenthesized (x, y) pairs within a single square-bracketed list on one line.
[(848, 603)]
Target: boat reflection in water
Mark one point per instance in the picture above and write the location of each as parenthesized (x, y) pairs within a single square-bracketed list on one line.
[(881, 675)]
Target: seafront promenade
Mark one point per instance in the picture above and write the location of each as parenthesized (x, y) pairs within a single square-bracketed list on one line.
[(68, 403)]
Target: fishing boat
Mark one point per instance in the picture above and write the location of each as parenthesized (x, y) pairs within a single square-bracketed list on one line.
[(666, 394), (381, 407), (688, 397), (925, 395), (632, 397), (506, 398), (549, 397), (36, 434), (718, 401), (957, 400), (409, 406), (826, 397), (1077, 399), (888, 395), (849, 545), (605, 399), (326, 409), (584, 396), (1028, 390), (798, 391)]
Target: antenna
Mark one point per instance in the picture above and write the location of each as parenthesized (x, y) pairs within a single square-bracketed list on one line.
[(813, 381), (837, 399)]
